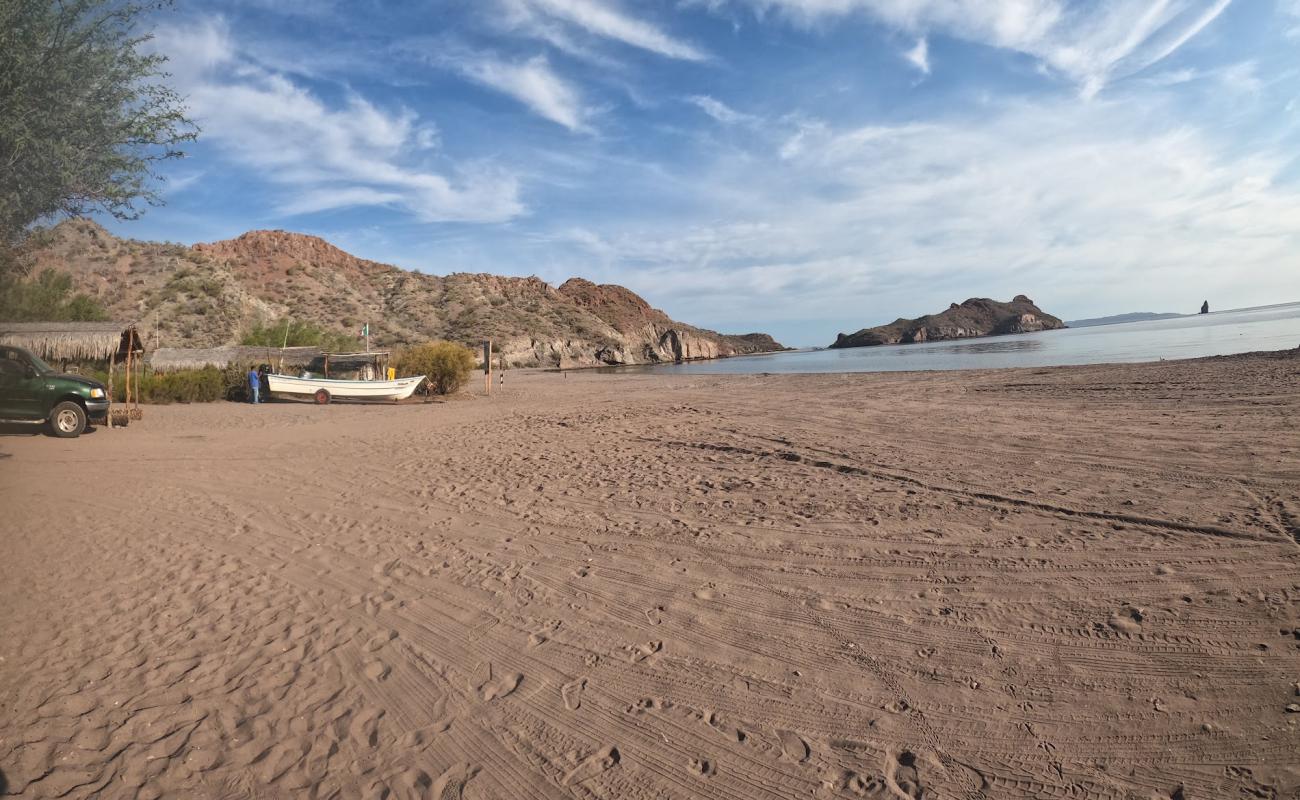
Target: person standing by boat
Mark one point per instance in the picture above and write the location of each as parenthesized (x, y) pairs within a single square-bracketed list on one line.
[(254, 385)]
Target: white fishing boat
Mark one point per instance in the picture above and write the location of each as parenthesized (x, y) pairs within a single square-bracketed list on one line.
[(323, 390)]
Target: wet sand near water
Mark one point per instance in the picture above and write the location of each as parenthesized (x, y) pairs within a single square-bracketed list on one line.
[(1070, 582)]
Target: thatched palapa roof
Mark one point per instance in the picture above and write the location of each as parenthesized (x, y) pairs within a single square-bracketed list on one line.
[(73, 341), (166, 359)]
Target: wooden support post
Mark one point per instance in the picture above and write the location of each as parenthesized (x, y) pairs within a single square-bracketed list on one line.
[(487, 366), (112, 367), (139, 375)]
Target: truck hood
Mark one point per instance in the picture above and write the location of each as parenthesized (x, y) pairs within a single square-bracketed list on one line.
[(64, 376)]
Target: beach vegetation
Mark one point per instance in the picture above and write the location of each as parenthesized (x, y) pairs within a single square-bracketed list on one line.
[(447, 365), (202, 385)]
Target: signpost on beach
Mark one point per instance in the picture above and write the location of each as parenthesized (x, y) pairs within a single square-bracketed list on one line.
[(487, 366)]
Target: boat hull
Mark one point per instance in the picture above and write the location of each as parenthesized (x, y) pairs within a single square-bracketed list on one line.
[(399, 389)]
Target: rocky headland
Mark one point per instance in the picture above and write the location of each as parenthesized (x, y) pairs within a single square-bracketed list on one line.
[(210, 295), (978, 316)]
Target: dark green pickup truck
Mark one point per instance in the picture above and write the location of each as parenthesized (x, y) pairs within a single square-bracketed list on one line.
[(32, 393)]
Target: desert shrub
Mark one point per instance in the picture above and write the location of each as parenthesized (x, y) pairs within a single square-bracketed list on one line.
[(234, 382), (184, 386), (447, 365), (161, 388), (205, 385), (47, 297), (301, 334)]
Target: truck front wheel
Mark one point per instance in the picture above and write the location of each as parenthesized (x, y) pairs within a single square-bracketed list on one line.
[(67, 420)]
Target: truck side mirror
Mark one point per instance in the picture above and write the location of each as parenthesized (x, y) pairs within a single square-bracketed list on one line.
[(29, 371)]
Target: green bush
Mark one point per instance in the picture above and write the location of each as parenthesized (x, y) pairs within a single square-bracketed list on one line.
[(447, 365), (47, 296), (205, 385), (186, 386), (300, 334)]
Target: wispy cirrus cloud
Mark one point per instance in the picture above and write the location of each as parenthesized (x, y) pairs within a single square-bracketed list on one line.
[(531, 82), (600, 19), (324, 155), (720, 111), (1089, 43)]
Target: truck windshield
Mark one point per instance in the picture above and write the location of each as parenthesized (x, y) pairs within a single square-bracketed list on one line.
[(41, 367)]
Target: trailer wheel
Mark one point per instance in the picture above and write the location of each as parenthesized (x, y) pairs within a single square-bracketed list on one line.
[(322, 397)]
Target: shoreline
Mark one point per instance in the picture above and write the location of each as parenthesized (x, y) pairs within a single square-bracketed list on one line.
[(648, 368)]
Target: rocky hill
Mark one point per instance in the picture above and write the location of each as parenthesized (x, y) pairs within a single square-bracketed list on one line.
[(212, 294), (978, 316)]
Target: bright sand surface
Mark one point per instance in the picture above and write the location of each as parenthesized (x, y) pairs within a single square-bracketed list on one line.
[(1071, 582)]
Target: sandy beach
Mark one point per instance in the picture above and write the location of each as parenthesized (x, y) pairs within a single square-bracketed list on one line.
[(1069, 582)]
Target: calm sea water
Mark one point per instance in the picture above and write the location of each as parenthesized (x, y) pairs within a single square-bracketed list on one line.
[(1219, 333)]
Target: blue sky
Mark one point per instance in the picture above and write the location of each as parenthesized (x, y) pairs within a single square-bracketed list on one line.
[(800, 167)]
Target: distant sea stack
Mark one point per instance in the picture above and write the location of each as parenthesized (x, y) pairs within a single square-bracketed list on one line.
[(1205, 307), (978, 316)]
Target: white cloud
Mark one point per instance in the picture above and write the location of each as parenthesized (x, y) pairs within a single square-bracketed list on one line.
[(532, 83), (1241, 78), (311, 200), (720, 111), (919, 56), (1090, 43), (1090, 207), (323, 155), (601, 19), (1290, 8)]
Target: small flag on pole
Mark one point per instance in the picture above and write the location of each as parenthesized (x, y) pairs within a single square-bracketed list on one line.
[(365, 329)]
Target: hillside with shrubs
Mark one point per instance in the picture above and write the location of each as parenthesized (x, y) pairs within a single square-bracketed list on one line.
[(227, 292)]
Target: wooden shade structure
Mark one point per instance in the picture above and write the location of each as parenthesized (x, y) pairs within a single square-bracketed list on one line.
[(61, 342), (118, 343), (171, 359)]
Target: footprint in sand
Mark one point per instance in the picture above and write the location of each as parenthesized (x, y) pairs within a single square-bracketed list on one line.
[(1128, 620), (902, 776), (595, 764), (572, 693), (643, 651), (386, 568), (364, 728), (451, 784), (841, 781), (701, 767), (899, 706), (376, 670), (491, 686), (793, 747), (410, 783), (377, 642), (283, 757)]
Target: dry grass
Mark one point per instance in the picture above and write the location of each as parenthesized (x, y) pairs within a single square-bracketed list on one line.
[(66, 341)]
